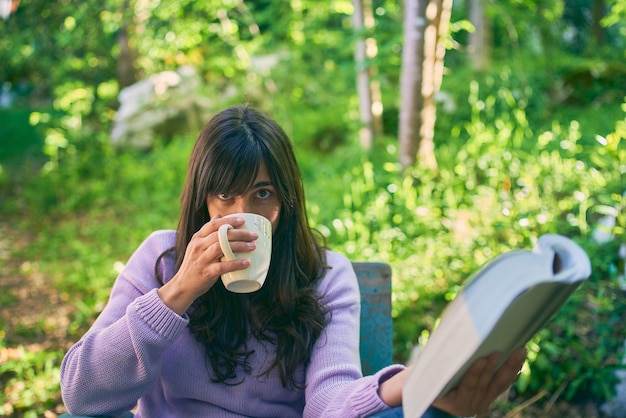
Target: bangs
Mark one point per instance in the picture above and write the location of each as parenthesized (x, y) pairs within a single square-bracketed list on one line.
[(234, 168)]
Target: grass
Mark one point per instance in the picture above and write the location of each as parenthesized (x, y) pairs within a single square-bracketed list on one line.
[(19, 140)]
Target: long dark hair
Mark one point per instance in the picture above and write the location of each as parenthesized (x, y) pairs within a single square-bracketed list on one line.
[(286, 311)]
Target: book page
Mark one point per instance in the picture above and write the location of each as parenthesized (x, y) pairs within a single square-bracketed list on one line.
[(447, 351)]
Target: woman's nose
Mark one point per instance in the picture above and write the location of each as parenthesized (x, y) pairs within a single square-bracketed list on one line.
[(241, 206)]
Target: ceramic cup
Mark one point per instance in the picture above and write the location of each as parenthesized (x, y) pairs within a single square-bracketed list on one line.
[(253, 277)]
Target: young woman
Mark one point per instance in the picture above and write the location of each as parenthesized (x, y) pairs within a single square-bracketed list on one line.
[(173, 341)]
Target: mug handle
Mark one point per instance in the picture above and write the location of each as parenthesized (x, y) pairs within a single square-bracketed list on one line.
[(222, 235)]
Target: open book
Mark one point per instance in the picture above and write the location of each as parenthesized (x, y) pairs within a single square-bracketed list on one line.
[(500, 309)]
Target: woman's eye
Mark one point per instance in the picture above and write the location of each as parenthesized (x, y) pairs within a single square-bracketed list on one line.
[(223, 196), (263, 194)]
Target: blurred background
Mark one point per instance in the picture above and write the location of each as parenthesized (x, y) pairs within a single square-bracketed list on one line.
[(432, 135)]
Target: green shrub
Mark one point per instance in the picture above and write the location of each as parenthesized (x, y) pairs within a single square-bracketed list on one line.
[(499, 187)]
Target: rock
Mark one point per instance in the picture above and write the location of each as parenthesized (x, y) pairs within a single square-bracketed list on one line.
[(160, 106)]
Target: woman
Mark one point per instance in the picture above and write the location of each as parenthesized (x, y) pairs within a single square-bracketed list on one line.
[(173, 339)]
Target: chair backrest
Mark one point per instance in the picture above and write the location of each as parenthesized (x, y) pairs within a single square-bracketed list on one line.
[(376, 323)]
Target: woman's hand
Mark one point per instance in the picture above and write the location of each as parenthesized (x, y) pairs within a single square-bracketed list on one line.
[(482, 384), (202, 265)]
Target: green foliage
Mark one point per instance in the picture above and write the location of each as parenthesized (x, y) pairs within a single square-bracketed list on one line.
[(47, 44), (500, 186), (577, 354), (19, 140), (87, 216), (77, 198), (29, 380)]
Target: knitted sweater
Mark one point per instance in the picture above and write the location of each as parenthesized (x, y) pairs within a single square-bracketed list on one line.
[(139, 352)]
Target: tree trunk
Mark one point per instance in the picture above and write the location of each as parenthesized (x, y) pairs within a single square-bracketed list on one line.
[(422, 72), (480, 39), (371, 50), (598, 12), (126, 71), (438, 16), (411, 99), (366, 133)]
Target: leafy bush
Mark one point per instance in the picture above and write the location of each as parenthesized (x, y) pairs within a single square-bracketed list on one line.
[(499, 187)]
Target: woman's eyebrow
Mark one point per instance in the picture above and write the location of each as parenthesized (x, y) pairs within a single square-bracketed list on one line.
[(261, 184)]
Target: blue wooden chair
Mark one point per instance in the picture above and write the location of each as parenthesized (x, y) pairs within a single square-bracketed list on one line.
[(376, 324)]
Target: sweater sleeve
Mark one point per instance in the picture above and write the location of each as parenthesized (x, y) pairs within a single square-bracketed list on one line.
[(119, 358), (335, 385)]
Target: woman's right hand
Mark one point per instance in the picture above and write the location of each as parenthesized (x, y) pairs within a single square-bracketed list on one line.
[(482, 384), (202, 265)]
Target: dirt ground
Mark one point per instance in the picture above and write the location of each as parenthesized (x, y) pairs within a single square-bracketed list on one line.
[(33, 314), (33, 300)]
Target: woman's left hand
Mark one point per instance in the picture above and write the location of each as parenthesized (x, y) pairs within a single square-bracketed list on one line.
[(482, 384)]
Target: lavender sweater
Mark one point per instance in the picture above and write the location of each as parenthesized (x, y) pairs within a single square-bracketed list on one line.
[(138, 350)]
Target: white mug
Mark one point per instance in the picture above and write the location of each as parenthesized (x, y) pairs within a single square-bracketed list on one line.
[(252, 278)]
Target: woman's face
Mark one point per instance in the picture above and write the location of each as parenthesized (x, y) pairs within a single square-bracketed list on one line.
[(260, 199)]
